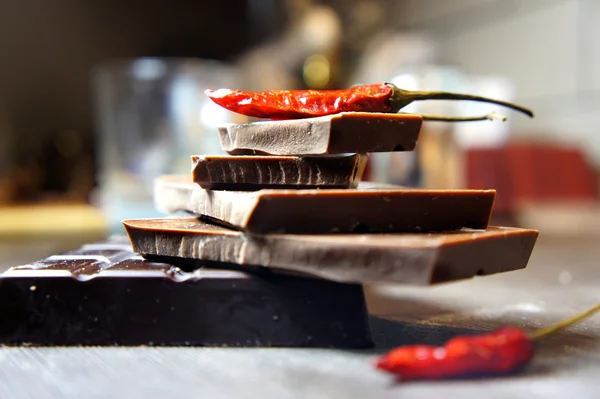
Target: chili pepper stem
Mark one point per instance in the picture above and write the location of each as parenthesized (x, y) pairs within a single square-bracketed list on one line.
[(544, 332), (401, 98), (440, 118)]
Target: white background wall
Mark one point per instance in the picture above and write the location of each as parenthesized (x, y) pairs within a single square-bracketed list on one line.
[(549, 49)]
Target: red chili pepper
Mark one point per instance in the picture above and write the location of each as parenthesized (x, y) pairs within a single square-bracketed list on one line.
[(502, 351), (297, 104)]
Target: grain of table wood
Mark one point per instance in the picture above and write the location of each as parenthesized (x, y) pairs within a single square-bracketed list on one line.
[(563, 278)]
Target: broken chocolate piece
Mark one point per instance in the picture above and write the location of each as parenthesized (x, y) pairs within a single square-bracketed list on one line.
[(256, 172), (347, 132), (365, 258), (321, 211), (104, 294)]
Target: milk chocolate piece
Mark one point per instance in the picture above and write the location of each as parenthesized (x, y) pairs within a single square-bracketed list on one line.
[(322, 211), (256, 172), (104, 294), (347, 132), (365, 258)]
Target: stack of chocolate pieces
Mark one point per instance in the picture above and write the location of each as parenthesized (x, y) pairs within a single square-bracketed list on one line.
[(288, 201), (279, 238)]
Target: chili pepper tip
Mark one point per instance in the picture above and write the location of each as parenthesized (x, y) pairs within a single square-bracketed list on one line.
[(219, 93)]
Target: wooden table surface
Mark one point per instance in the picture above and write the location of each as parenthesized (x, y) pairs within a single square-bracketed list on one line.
[(563, 278)]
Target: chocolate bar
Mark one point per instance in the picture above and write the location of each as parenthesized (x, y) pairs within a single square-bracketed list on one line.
[(104, 294), (347, 132), (362, 258), (321, 211), (256, 172)]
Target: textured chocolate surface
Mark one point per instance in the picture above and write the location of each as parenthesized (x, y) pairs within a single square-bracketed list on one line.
[(256, 172), (329, 210), (360, 258), (104, 294), (347, 132)]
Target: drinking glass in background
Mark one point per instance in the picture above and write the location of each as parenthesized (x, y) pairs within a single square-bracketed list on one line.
[(151, 115)]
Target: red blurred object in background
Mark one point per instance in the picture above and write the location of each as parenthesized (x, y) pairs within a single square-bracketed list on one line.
[(528, 173)]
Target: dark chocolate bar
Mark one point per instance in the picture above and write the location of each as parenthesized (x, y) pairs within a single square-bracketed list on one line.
[(321, 211), (365, 258), (347, 132), (104, 294), (256, 172)]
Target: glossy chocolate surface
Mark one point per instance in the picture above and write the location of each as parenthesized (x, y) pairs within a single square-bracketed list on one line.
[(104, 294), (347, 132), (256, 172), (321, 211), (352, 258)]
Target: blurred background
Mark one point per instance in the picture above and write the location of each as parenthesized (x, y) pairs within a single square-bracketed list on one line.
[(98, 97)]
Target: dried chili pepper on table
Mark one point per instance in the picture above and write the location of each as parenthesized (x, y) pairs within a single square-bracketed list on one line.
[(502, 351), (383, 98)]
